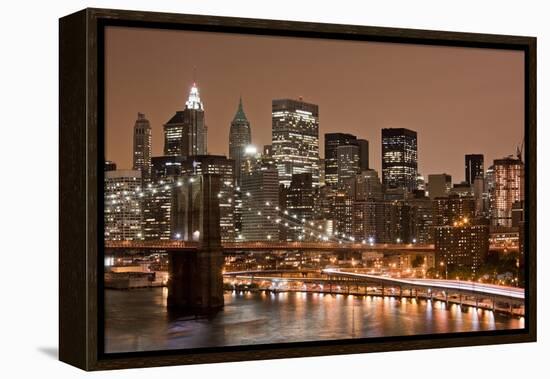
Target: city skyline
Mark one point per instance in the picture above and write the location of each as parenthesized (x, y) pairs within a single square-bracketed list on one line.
[(220, 102), (212, 223)]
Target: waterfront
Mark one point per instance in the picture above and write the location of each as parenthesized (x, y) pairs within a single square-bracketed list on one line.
[(138, 320)]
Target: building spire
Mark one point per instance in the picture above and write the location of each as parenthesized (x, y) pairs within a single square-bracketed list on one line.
[(194, 100), (240, 115)]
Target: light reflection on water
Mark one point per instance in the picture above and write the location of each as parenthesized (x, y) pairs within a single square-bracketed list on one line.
[(137, 320)]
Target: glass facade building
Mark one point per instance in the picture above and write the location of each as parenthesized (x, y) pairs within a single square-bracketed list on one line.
[(399, 158), (295, 139), (122, 206), (508, 189), (142, 147), (185, 134), (239, 138)]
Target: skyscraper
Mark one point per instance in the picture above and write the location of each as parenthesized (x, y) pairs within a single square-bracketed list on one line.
[(348, 161), (508, 189), (185, 133), (332, 141), (399, 158), (260, 200), (239, 138), (300, 201), (295, 139), (123, 209), (142, 147), (473, 164)]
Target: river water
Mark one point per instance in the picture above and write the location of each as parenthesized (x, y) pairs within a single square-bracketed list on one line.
[(138, 320)]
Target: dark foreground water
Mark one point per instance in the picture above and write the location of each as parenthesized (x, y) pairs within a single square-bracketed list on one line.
[(137, 320)]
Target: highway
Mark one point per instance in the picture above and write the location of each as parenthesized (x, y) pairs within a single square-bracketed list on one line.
[(453, 285)]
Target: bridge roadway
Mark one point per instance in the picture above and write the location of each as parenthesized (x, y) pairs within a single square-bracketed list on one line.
[(183, 246), (450, 286), (176, 245)]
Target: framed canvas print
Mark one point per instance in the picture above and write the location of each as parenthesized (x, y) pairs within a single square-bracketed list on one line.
[(238, 189)]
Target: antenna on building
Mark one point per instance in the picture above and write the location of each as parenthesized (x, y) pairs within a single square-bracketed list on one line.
[(519, 150)]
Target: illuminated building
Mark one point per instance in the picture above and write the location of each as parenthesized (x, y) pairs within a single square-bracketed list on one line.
[(382, 221), (142, 147), (399, 158), (260, 198), (185, 133), (347, 162), (421, 219), (508, 189), (461, 245), (122, 210), (335, 140), (343, 214), (453, 207), (295, 139), (157, 197), (473, 164), (300, 201), (239, 138), (439, 185)]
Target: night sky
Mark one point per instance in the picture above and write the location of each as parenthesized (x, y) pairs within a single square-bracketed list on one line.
[(459, 100)]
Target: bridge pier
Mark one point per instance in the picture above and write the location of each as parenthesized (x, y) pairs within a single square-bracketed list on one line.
[(195, 281), (195, 278)]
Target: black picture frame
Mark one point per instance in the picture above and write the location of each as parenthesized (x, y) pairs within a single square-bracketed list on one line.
[(81, 158)]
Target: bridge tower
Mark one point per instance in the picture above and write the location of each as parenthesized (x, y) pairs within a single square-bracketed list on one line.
[(195, 278)]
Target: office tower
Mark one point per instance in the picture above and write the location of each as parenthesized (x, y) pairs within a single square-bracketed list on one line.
[(452, 208), (363, 145), (239, 138), (295, 139), (368, 186), (157, 197), (343, 215), (123, 211), (142, 147), (474, 167), (508, 189), (348, 163), (110, 166), (185, 134), (461, 246), (399, 159), (217, 165), (260, 200), (421, 220), (300, 202), (439, 185), (332, 142)]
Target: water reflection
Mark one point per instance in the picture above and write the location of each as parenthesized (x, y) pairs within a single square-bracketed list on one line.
[(138, 320)]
